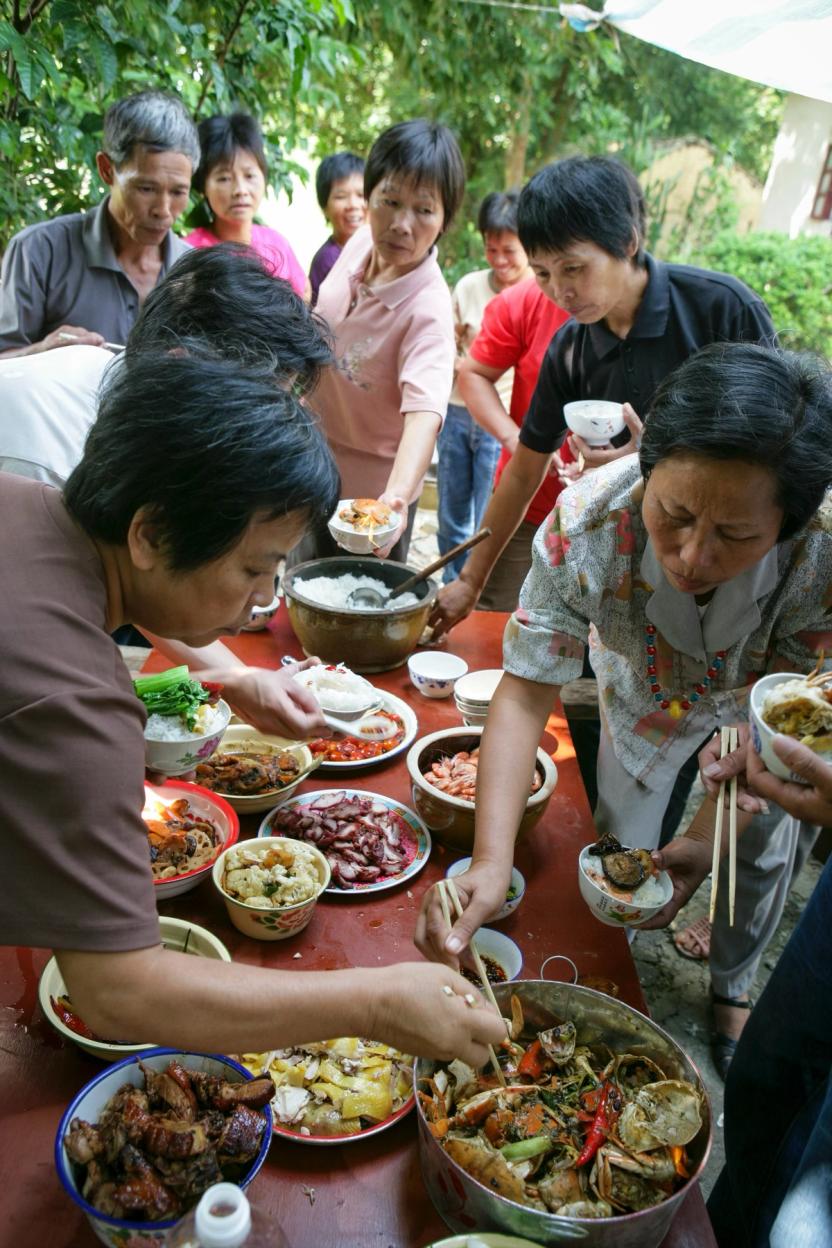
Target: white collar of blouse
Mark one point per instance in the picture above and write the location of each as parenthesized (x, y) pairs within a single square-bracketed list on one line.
[(733, 612)]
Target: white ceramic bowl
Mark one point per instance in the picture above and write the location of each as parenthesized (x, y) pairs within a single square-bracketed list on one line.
[(175, 932), (328, 683), (173, 758), (358, 542), (615, 911), (278, 922), (502, 949), (594, 420), (763, 736), (260, 616), (210, 806), (517, 886), (243, 739), (435, 672), (478, 688), (89, 1104)]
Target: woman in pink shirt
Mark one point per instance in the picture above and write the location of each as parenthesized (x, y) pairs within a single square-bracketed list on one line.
[(383, 401), (232, 176)]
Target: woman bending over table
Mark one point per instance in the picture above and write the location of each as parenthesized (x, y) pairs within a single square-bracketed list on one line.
[(174, 521), (692, 571), (389, 307)]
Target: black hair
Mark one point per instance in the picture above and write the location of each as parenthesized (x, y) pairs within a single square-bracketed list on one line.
[(498, 213), (204, 445), (221, 138), (591, 199), (758, 405), (423, 152), (225, 297), (335, 168)]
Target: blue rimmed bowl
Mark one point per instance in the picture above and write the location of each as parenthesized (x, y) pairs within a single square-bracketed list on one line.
[(89, 1104)]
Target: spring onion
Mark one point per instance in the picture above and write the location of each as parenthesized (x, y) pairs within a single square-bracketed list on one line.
[(172, 693), (521, 1150)]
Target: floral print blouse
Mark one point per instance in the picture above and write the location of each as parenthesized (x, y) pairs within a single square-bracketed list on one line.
[(595, 578)]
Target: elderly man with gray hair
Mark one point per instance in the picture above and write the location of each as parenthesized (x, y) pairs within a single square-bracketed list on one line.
[(82, 278)]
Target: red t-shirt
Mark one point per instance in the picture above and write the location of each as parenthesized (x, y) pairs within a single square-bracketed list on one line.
[(516, 330)]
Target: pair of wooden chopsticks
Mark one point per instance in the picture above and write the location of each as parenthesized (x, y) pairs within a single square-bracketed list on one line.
[(728, 743), (445, 889)]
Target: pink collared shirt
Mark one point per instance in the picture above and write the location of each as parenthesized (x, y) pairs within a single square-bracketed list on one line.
[(275, 251), (394, 349)]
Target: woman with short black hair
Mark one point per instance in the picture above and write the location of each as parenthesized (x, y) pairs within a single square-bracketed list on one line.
[(232, 176), (389, 308), (691, 572)]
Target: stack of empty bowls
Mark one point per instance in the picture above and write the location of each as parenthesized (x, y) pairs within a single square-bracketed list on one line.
[(473, 694)]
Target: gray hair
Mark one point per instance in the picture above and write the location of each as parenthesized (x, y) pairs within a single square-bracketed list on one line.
[(152, 119)]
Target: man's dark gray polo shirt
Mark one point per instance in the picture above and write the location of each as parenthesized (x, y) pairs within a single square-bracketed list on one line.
[(65, 272)]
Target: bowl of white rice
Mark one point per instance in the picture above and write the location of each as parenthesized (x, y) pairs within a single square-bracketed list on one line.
[(365, 639), (172, 748), (271, 885), (619, 907), (338, 690)]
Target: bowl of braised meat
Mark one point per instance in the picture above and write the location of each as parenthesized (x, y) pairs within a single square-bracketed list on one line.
[(252, 770), (143, 1140), (621, 886)]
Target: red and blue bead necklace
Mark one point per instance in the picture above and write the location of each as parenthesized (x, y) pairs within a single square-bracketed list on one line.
[(676, 707)]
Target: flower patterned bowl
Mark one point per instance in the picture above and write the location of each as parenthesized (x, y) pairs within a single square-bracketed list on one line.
[(434, 672), (278, 922), (173, 758), (616, 911), (594, 420), (88, 1105)]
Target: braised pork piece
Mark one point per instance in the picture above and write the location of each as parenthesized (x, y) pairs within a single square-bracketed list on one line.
[(155, 1150)]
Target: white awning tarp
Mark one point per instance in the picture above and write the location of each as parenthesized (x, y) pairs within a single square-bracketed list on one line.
[(780, 43)]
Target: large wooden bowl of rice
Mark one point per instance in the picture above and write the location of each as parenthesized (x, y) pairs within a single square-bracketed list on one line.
[(365, 640)]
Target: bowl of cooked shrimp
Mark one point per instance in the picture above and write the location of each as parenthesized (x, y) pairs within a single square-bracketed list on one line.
[(443, 776)]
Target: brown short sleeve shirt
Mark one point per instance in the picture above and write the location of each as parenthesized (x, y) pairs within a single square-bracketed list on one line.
[(77, 871)]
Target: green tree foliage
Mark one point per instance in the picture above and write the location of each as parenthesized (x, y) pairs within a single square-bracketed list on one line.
[(793, 275), (62, 62)]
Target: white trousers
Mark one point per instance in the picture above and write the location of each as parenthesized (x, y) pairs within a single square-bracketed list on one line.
[(770, 853)]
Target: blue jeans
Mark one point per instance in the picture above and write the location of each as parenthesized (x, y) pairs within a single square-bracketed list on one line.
[(467, 462), (775, 1190)]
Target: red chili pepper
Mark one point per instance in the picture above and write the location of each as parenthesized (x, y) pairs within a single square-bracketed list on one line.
[(606, 1115), (70, 1019), (213, 688), (533, 1061)]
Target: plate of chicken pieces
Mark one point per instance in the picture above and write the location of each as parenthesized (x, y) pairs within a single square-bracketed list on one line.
[(371, 842)]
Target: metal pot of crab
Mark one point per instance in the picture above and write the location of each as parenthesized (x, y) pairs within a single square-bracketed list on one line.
[(602, 1128)]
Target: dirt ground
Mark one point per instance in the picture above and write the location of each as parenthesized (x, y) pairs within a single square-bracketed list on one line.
[(676, 988)]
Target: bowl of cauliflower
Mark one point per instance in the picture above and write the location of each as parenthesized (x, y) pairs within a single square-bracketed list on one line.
[(271, 886)]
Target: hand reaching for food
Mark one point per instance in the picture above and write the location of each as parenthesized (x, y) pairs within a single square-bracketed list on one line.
[(399, 507), (432, 1011), (482, 891)]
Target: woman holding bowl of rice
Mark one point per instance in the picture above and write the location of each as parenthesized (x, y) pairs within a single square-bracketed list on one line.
[(691, 570), (383, 401)]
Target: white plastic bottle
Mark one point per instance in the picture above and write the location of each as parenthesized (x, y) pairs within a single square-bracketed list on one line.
[(224, 1219)]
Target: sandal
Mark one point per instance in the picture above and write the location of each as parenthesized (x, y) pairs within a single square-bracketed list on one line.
[(724, 1047), (699, 933)]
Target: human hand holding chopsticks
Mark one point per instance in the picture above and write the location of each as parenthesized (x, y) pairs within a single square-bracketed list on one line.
[(481, 890), (716, 770)]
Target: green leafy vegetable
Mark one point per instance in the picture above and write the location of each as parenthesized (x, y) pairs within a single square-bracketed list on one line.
[(172, 693)]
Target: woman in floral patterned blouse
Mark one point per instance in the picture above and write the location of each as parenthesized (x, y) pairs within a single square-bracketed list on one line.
[(690, 572)]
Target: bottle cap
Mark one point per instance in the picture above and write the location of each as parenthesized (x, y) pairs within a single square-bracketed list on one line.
[(223, 1217)]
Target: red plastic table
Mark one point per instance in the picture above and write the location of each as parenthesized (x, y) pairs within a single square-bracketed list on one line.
[(370, 1192)]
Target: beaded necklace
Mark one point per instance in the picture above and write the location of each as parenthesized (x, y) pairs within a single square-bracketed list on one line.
[(676, 707)]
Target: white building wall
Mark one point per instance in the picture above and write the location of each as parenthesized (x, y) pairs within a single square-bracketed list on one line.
[(799, 152)]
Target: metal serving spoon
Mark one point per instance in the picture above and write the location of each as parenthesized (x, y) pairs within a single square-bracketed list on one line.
[(370, 599)]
